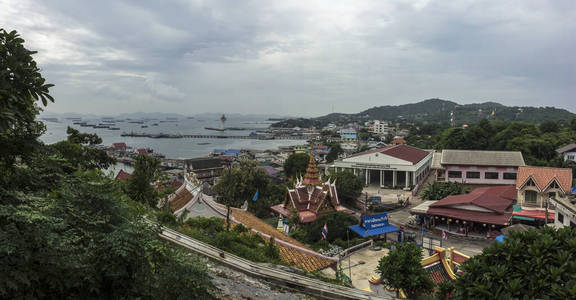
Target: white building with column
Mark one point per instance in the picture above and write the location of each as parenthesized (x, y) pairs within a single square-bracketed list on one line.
[(399, 166)]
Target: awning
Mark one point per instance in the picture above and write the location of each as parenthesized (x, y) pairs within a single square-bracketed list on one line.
[(363, 232), (534, 214)]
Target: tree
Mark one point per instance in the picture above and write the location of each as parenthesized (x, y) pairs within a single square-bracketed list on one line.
[(348, 185), (441, 190), (21, 85), (139, 186), (337, 223), (549, 127), (334, 153), (78, 150), (296, 164), (402, 269), (536, 264)]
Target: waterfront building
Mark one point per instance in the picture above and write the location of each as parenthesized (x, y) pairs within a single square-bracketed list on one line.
[(310, 197), (536, 186), (568, 152), (123, 176), (119, 147), (392, 166), (478, 167)]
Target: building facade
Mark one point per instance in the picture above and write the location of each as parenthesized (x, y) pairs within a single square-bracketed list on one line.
[(399, 166), (536, 185), (380, 127), (568, 152), (479, 167)]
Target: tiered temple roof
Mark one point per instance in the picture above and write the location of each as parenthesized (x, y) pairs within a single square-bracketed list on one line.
[(310, 197)]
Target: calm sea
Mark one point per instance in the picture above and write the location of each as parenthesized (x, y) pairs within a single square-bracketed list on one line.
[(172, 148)]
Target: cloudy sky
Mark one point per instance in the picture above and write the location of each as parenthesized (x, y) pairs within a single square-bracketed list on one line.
[(304, 57)]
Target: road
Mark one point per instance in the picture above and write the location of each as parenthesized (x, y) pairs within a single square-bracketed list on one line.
[(297, 282)]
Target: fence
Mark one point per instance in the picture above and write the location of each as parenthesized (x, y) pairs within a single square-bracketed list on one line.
[(355, 248)]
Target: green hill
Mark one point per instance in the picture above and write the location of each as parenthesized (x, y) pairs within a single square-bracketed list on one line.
[(438, 111)]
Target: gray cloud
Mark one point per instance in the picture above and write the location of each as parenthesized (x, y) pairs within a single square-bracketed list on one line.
[(297, 57)]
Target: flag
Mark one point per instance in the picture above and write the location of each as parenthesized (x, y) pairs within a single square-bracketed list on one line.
[(293, 227), (255, 196), (324, 232), (444, 236)]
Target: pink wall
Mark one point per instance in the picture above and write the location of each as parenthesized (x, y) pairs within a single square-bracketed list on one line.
[(482, 170)]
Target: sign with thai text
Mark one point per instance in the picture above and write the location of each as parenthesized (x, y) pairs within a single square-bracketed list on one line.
[(375, 221)]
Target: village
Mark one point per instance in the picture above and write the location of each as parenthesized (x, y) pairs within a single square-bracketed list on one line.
[(398, 200)]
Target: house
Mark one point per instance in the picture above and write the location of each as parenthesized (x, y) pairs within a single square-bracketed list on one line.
[(121, 147), (535, 186), (310, 197), (392, 166), (348, 135), (565, 212), (479, 167), (398, 141), (205, 168), (123, 176), (477, 214), (568, 152), (142, 151)]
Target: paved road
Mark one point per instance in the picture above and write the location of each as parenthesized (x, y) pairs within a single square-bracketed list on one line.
[(301, 283)]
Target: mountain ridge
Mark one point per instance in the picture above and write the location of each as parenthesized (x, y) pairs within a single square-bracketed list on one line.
[(438, 111)]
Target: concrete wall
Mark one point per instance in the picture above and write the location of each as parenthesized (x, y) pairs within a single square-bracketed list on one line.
[(482, 170)]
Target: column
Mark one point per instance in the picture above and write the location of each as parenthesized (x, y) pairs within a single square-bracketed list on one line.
[(366, 175), (414, 178), (407, 178), (381, 178), (394, 183)]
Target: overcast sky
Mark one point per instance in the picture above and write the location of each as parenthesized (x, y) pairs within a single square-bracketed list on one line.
[(301, 57)]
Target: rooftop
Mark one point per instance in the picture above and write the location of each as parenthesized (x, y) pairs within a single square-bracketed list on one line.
[(566, 148), (543, 176), (482, 158)]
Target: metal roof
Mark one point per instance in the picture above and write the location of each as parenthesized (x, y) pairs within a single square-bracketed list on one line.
[(482, 158)]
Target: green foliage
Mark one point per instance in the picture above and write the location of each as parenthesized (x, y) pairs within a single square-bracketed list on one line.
[(536, 264), (335, 151), (401, 269), (240, 184), (77, 150), (86, 234), (296, 164), (348, 185), (21, 86), (337, 223), (441, 190), (239, 240), (68, 232), (139, 186)]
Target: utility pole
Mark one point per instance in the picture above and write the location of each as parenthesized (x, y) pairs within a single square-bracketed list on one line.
[(349, 264)]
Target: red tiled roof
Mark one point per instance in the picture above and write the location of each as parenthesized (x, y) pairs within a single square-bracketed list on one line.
[(407, 153), (495, 198), (543, 176), (398, 141), (176, 183), (142, 151), (472, 216), (183, 196), (119, 145), (123, 175)]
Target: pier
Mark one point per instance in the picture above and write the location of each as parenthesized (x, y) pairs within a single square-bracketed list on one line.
[(215, 136)]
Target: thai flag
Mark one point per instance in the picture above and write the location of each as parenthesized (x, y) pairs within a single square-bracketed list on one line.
[(324, 232)]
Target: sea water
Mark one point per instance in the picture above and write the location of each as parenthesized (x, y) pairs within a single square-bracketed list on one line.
[(173, 148)]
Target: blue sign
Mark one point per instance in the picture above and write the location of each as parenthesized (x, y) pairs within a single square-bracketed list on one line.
[(375, 221)]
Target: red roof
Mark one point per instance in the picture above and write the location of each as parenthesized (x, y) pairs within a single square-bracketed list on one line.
[(407, 153), (142, 151), (404, 152), (123, 176), (176, 183), (119, 146), (543, 176), (495, 198), (472, 216), (398, 141)]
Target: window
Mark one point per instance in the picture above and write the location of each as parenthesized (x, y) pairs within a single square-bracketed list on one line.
[(491, 175), (561, 218), (530, 197), (472, 174), (511, 176), (454, 174), (530, 183)]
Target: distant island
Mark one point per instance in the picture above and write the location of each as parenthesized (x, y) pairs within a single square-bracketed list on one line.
[(437, 111)]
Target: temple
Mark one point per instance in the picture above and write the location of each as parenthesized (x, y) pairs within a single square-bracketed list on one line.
[(310, 197)]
